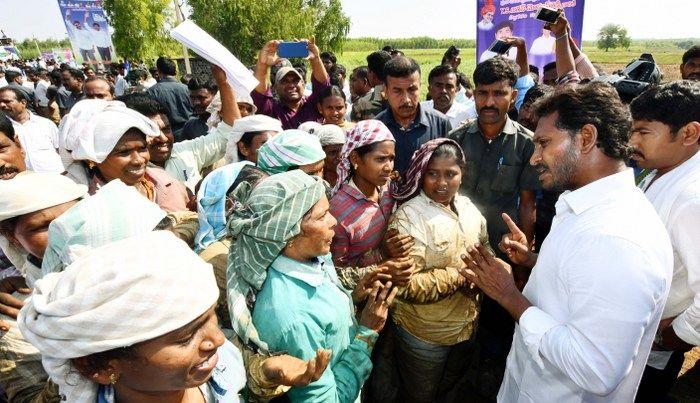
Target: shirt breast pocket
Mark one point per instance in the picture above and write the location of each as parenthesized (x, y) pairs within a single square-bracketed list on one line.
[(506, 180)]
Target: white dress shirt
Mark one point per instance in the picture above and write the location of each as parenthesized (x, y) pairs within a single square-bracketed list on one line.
[(458, 113), (101, 38), (597, 290), (39, 138), (676, 197)]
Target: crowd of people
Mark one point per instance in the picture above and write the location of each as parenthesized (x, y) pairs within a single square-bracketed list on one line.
[(337, 238)]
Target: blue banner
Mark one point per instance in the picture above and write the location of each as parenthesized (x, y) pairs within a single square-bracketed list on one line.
[(88, 31), (498, 19)]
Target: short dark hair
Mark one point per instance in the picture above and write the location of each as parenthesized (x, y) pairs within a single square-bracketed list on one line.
[(339, 69), (361, 72), (595, 103), (674, 104), (440, 70), (504, 24), (332, 91), (197, 83), (494, 70), (691, 53), (10, 75), (330, 56), (166, 66), (77, 74), (144, 104), (534, 69), (450, 53), (537, 92), (6, 127), (19, 94), (376, 62), (549, 66), (400, 66)]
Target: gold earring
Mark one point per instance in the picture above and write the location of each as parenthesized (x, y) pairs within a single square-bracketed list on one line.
[(112, 379), (354, 166)]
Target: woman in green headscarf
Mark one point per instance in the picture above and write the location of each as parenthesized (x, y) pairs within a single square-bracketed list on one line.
[(282, 236)]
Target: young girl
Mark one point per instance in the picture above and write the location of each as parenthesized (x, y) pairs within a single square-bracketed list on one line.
[(332, 106), (435, 313)]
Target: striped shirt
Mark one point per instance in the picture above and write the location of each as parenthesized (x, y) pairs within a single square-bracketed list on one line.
[(361, 226)]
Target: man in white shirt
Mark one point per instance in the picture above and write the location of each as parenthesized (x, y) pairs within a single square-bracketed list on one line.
[(665, 137), (38, 136), (81, 37), (103, 42), (442, 87), (589, 312)]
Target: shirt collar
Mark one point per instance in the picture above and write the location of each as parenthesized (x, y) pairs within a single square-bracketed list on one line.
[(311, 272), (508, 128), (596, 192), (421, 118)]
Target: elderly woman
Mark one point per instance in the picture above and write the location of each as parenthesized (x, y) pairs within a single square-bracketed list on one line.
[(173, 353), (282, 236), (29, 202), (435, 314), (111, 142), (332, 139)]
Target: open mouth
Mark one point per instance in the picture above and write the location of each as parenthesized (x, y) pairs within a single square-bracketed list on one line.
[(208, 364), (8, 173)]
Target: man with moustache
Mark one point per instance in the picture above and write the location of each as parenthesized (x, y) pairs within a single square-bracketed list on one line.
[(498, 178), (690, 67), (588, 314), (665, 137), (411, 124), (443, 88)]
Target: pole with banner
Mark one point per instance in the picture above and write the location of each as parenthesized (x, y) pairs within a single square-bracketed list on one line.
[(499, 19), (88, 31)]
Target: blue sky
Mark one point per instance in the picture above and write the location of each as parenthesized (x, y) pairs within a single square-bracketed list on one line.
[(405, 18)]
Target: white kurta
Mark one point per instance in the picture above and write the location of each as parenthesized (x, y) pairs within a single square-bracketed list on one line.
[(598, 290), (676, 197), (39, 138)]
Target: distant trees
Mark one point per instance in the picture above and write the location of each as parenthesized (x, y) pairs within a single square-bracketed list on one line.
[(613, 36), (30, 48)]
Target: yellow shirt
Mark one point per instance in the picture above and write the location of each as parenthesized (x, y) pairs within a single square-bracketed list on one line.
[(436, 306)]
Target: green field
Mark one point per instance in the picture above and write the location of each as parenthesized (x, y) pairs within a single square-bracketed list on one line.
[(665, 53)]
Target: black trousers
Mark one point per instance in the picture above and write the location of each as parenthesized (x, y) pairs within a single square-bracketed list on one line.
[(656, 383)]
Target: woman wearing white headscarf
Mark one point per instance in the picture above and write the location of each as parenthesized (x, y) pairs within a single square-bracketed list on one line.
[(133, 320), (249, 134)]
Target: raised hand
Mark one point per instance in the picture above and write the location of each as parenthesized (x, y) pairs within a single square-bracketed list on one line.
[(492, 275), (314, 51), (377, 309), (268, 54), (291, 371), (515, 245)]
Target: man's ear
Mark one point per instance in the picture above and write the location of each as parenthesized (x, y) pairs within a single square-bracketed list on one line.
[(690, 134), (589, 138)]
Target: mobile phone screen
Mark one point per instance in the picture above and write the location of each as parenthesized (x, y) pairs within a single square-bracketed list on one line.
[(548, 15), (292, 49), (500, 47)]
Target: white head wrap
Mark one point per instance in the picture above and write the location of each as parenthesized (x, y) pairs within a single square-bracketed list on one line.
[(75, 122), (118, 295), (310, 127), (252, 123), (330, 135), (214, 107), (33, 191), (102, 131)]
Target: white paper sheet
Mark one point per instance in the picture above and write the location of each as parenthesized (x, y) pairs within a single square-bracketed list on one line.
[(239, 77)]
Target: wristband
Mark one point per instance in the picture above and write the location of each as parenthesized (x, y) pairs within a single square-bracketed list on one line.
[(562, 36)]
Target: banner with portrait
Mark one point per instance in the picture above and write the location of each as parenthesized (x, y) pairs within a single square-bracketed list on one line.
[(88, 31), (498, 19)]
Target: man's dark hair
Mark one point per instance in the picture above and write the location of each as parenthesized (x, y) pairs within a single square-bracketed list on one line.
[(534, 69), (64, 66), (197, 83), (504, 24), (166, 66), (440, 70), (376, 62), (77, 74), (19, 94), (143, 104), (389, 49), (691, 53), (595, 103), (6, 127), (10, 75), (104, 80), (361, 72), (494, 70), (674, 104), (330, 56), (335, 74), (549, 66), (400, 66), (450, 53), (536, 93)]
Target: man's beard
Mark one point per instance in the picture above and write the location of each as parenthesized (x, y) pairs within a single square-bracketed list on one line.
[(562, 174)]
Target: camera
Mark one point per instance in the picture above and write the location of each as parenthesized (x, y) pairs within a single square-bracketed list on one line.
[(635, 78)]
